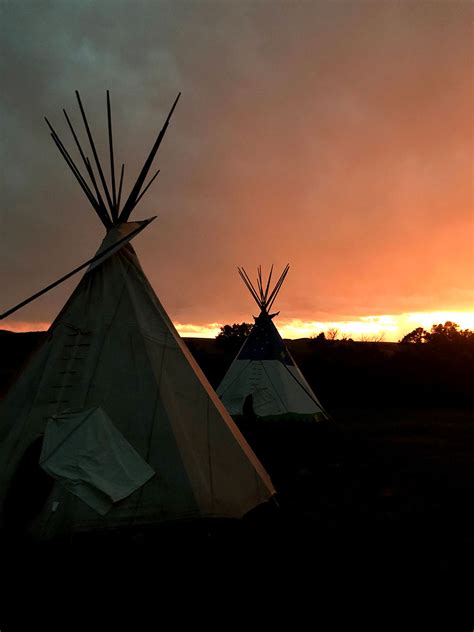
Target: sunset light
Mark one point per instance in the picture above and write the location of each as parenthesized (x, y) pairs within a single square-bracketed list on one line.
[(387, 327)]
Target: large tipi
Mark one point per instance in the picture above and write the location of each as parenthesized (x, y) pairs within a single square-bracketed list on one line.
[(264, 381), (112, 424)]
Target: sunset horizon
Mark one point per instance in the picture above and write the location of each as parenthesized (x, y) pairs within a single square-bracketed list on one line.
[(381, 328)]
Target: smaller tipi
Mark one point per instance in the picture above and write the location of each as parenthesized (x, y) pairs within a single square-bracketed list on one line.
[(264, 381)]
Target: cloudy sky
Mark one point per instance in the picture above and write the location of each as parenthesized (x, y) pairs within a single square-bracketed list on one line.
[(333, 135)]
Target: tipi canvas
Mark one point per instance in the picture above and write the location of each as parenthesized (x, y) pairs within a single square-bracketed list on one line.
[(264, 381), (112, 424)]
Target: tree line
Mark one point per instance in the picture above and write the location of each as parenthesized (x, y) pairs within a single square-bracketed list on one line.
[(450, 332)]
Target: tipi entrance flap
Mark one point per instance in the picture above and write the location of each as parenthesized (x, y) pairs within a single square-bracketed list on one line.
[(85, 452)]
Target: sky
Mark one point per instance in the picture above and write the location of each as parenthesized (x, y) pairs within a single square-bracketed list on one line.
[(334, 136)]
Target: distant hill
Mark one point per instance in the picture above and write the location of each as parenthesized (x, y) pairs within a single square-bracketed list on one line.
[(15, 348)]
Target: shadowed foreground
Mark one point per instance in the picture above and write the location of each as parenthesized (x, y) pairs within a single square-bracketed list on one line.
[(374, 526)]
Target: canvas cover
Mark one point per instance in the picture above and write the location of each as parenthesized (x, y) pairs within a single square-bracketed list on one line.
[(86, 453), (265, 369), (113, 346), (117, 238)]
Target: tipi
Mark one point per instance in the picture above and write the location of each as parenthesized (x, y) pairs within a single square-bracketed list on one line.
[(263, 381), (112, 424)]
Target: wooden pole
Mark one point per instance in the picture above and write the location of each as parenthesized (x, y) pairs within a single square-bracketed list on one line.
[(134, 193), (268, 283), (248, 283), (278, 285), (97, 257), (120, 187), (112, 163), (69, 161), (87, 165), (146, 188), (94, 151)]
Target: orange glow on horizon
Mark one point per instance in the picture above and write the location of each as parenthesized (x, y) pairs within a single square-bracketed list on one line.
[(19, 327), (388, 327), (198, 331)]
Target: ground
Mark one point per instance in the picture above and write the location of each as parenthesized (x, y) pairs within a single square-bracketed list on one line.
[(378, 502)]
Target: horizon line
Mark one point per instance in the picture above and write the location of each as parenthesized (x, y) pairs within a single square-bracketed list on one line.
[(385, 327)]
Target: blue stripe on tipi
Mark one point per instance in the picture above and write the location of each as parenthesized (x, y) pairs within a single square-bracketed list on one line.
[(265, 343)]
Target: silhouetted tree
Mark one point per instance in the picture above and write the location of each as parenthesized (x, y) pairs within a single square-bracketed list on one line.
[(318, 340), (237, 330), (380, 337), (233, 336), (417, 336), (439, 334), (449, 332)]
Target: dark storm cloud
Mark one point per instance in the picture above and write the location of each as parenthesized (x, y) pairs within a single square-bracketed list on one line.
[(332, 135)]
